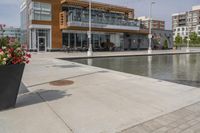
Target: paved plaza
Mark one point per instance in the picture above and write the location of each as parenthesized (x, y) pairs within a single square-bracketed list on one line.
[(99, 100), (185, 120)]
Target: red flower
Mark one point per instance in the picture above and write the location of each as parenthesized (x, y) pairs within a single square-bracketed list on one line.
[(28, 55), (11, 50), (14, 54), (27, 61)]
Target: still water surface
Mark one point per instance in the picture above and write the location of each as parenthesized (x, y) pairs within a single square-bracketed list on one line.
[(183, 69)]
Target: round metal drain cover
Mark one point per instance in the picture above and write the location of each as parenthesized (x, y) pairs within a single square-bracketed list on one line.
[(61, 83)]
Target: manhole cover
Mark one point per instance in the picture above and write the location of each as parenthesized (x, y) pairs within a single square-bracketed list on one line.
[(66, 66), (61, 83)]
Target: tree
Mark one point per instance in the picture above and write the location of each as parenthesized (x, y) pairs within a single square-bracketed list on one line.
[(185, 40), (165, 45), (178, 40), (198, 40), (193, 38)]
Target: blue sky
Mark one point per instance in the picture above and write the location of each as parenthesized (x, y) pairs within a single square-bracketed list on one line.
[(9, 9)]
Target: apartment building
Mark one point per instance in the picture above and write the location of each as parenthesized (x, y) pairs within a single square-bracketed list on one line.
[(156, 24), (49, 25), (186, 22)]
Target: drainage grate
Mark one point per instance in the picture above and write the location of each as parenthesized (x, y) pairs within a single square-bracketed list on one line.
[(103, 71), (61, 83)]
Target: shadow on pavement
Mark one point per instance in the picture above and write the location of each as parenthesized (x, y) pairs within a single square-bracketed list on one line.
[(39, 96), (23, 89)]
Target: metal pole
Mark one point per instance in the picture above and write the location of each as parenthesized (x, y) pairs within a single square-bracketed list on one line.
[(188, 38), (150, 26), (90, 52)]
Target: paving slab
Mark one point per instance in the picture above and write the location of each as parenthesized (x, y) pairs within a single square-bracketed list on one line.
[(31, 115)]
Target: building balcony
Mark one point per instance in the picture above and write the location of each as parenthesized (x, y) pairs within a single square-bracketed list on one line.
[(67, 21)]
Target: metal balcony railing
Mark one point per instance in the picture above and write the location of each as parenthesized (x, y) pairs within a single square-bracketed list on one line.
[(105, 21)]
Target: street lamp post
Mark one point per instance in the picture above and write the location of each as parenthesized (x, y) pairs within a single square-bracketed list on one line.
[(188, 38), (150, 26), (90, 52)]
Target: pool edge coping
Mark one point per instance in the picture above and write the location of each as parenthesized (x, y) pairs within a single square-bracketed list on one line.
[(128, 55)]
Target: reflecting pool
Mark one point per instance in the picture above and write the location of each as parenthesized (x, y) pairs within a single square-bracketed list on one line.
[(181, 68)]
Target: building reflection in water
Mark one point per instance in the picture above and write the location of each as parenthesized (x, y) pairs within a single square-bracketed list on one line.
[(150, 66), (90, 61), (181, 68)]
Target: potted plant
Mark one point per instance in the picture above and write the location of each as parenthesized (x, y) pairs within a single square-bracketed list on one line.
[(12, 61)]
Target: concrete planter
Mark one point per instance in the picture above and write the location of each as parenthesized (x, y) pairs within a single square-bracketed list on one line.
[(10, 79)]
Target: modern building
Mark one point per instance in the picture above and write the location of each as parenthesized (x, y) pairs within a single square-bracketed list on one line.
[(186, 22), (11, 32), (156, 24), (51, 24)]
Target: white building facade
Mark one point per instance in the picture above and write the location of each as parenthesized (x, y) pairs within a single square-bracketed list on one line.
[(186, 22)]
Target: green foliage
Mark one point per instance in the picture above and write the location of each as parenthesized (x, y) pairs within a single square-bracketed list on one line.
[(198, 40), (155, 41), (165, 45), (4, 41), (193, 38), (185, 40), (178, 40)]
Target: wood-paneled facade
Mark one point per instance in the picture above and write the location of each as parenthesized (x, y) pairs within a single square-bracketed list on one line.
[(55, 32)]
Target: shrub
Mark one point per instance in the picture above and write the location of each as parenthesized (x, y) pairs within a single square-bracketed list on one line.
[(165, 45)]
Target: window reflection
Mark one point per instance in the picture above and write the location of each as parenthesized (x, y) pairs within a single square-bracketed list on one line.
[(99, 16)]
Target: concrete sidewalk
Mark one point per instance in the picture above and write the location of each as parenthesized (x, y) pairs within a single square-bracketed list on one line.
[(99, 101)]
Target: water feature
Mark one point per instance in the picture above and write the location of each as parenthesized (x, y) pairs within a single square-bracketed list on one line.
[(183, 68)]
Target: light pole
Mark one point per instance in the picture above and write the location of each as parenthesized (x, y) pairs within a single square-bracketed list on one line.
[(90, 52), (150, 26), (188, 38)]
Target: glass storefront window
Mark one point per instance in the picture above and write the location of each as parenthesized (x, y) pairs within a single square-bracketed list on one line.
[(102, 39), (78, 40), (40, 39), (72, 40), (75, 40), (65, 39), (95, 41), (84, 41)]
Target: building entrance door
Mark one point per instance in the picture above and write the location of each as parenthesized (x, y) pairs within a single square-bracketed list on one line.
[(41, 43)]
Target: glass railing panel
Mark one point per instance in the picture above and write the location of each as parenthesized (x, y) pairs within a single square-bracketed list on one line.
[(98, 20)]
